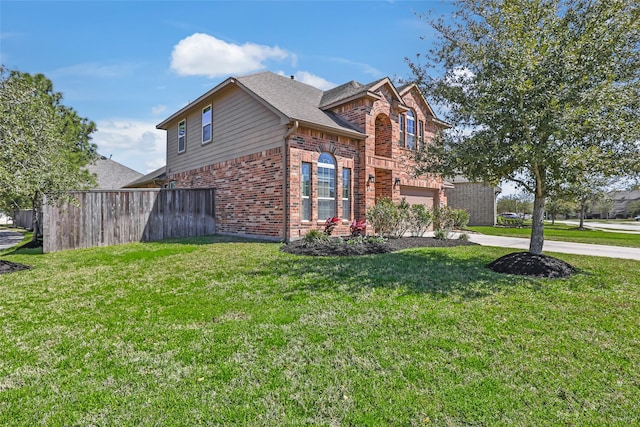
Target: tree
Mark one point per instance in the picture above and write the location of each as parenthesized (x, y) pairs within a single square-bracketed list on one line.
[(520, 203), (529, 85), (43, 144), (633, 208)]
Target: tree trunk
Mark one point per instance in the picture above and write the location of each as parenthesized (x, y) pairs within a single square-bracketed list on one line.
[(583, 207), (537, 226), (35, 221), (553, 219)]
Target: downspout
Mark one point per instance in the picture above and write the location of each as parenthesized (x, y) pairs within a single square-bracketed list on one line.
[(285, 178)]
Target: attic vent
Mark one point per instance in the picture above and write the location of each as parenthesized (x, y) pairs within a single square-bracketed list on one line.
[(293, 77)]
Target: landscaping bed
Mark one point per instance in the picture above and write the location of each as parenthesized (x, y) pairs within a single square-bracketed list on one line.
[(343, 247)]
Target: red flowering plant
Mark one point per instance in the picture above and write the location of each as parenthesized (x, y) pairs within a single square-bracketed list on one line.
[(359, 228), (330, 224)]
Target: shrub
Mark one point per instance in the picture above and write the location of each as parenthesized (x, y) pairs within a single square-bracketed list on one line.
[(443, 221), (460, 218), (403, 218), (383, 217), (420, 220), (315, 236), (441, 234)]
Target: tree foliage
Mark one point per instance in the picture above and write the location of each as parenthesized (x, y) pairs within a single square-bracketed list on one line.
[(43, 143), (535, 90)]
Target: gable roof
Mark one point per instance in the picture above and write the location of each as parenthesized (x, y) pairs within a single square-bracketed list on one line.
[(156, 177), (111, 175), (293, 100)]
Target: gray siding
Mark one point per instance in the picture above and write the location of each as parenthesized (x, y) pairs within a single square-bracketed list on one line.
[(240, 126), (477, 199)]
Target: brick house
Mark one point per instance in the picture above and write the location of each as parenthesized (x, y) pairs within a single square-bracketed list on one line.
[(283, 156)]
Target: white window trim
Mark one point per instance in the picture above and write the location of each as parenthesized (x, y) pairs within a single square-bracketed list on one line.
[(184, 148), (411, 117), (348, 199), (307, 197), (333, 167), (210, 107)]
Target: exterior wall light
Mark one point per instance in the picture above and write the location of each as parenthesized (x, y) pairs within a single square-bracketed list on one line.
[(371, 179)]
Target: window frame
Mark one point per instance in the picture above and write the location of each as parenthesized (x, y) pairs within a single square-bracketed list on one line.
[(411, 130), (305, 199), (402, 129), (182, 123), (346, 193), (331, 198), (420, 135), (209, 123)]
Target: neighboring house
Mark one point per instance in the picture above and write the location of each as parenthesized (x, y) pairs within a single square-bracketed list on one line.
[(155, 179), (478, 199), (111, 175), (620, 201), (284, 156)]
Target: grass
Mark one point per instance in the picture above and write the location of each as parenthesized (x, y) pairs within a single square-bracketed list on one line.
[(566, 233), (215, 332)]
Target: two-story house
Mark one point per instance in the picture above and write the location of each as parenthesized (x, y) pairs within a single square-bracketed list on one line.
[(284, 156)]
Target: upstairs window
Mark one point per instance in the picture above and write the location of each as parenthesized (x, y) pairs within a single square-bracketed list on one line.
[(401, 126), (346, 193), (411, 130), (420, 135), (326, 187), (182, 136), (206, 124), (306, 191)]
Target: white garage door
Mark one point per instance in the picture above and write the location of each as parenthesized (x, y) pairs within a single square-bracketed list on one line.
[(418, 196)]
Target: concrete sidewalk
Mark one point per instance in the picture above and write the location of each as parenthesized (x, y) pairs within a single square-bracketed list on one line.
[(560, 247), (9, 239)]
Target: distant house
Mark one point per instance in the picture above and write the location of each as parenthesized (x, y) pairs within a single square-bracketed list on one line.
[(155, 179), (621, 200), (478, 199), (111, 175), (284, 156)]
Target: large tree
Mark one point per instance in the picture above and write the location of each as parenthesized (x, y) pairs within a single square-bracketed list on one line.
[(530, 86), (43, 144)]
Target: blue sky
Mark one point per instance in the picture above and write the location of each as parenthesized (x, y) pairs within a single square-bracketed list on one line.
[(127, 65)]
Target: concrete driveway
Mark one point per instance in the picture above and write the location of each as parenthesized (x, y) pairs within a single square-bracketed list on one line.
[(632, 227), (9, 239), (560, 247)]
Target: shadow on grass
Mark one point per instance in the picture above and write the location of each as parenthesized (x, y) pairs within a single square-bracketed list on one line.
[(439, 272)]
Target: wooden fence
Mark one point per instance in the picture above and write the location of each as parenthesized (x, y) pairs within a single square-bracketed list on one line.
[(105, 218), (24, 219)]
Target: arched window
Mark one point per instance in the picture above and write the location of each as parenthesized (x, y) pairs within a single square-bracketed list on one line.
[(326, 186), (411, 130)]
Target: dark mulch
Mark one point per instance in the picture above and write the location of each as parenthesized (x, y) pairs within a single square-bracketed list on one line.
[(528, 264), (33, 244), (337, 247), (10, 267)]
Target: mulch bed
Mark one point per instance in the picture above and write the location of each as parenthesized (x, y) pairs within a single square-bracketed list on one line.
[(528, 264), (10, 267), (518, 263), (334, 248)]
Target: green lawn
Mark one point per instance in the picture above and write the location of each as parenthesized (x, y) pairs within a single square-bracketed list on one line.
[(208, 332), (566, 233)]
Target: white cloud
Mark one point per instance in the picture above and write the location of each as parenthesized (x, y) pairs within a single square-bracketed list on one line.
[(138, 145), (204, 55), (311, 79), (158, 109)]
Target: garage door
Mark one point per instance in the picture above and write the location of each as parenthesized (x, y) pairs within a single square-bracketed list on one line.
[(418, 196)]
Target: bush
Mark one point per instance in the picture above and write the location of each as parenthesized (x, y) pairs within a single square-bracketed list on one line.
[(383, 217), (420, 220), (460, 218), (315, 236)]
